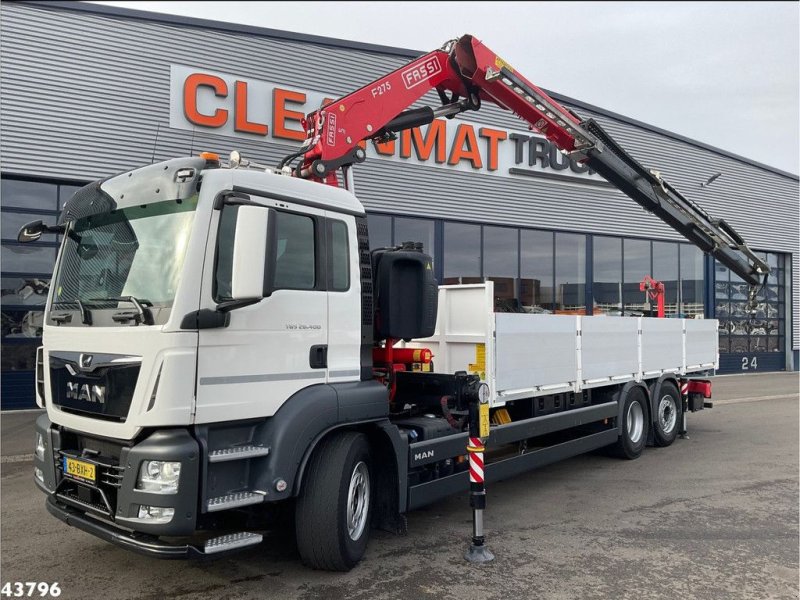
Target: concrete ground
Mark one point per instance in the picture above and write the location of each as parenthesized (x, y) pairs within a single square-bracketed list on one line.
[(714, 516)]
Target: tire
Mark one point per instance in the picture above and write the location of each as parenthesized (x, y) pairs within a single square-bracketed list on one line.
[(334, 508), (668, 415), (634, 426)]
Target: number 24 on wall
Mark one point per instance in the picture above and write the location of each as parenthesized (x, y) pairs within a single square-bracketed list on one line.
[(749, 363)]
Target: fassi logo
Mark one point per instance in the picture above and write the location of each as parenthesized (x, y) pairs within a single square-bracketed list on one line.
[(421, 72), (331, 132)]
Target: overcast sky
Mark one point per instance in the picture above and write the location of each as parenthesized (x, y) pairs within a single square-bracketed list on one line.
[(724, 73)]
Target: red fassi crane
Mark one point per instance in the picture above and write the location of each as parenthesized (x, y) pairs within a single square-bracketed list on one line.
[(655, 291), (465, 73)]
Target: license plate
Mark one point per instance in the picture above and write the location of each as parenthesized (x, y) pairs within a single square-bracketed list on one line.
[(79, 469)]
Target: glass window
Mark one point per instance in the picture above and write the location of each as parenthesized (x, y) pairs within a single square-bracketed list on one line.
[(136, 251), (607, 267), (414, 230), (536, 266), (636, 264), (462, 253), (665, 270), (380, 231), (24, 291), (295, 256), (19, 356), (22, 324), (28, 258), (28, 194), (13, 221), (743, 333), (223, 269), (570, 273), (691, 290), (340, 267), (500, 265)]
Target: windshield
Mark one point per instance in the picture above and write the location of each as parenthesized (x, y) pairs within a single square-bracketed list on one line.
[(131, 252)]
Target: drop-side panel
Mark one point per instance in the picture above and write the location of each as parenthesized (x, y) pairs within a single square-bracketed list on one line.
[(662, 346), (535, 350), (609, 349), (702, 344)]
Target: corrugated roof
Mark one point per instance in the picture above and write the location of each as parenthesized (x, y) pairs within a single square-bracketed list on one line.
[(126, 13)]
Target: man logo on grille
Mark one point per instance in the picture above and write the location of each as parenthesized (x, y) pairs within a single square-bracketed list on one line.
[(85, 361)]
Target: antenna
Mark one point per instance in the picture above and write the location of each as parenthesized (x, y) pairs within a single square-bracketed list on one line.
[(710, 180), (191, 144), (158, 129)]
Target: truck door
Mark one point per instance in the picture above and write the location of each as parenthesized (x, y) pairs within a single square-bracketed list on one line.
[(344, 299), (277, 346)]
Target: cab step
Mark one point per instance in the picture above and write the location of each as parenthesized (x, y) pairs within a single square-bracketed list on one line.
[(232, 541), (234, 500), (237, 453)]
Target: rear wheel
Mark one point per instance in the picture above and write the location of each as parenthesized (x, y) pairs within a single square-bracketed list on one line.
[(634, 425), (335, 505), (668, 415)]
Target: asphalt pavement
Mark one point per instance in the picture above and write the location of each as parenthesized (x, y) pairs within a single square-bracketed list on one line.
[(714, 516)]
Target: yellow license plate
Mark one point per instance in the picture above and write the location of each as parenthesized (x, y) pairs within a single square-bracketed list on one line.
[(79, 469)]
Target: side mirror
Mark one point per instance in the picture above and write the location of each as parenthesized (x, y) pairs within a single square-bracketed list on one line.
[(34, 230), (31, 232), (250, 253)]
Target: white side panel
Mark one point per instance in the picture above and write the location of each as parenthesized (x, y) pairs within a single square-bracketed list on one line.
[(531, 355), (609, 349), (535, 351), (462, 323), (702, 344), (662, 346)]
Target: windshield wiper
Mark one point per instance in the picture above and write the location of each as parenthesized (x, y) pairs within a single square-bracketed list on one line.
[(142, 314), (86, 315)]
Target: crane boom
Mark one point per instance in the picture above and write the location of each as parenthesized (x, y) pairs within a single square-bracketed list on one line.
[(464, 73)]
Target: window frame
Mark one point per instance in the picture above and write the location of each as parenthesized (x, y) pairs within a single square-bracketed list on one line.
[(329, 251)]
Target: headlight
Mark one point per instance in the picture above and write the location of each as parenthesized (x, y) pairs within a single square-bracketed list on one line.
[(160, 477), (39, 446), (156, 514)]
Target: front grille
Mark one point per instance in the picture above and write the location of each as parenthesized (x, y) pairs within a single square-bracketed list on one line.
[(100, 496), (84, 497), (40, 372), (105, 392), (113, 476)]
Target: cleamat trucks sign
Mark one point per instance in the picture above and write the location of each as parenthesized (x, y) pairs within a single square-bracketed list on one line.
[(214, 102)]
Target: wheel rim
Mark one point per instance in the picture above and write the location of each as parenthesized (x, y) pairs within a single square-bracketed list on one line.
[(667, 413), (635, 422), (358, 501)]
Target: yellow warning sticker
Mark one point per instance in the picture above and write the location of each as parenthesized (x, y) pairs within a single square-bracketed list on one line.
[(500, 63), (480, 355), (484, 420)]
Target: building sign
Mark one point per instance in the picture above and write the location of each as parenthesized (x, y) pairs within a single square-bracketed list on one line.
[(242, 107)]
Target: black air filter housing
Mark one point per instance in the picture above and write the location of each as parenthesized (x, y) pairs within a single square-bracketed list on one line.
[(406, 293)]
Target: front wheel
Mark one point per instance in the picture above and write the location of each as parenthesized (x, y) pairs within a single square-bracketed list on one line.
[(634, 426), (335, 505)]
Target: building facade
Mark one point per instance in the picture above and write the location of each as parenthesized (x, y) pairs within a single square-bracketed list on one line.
[(90, 91)]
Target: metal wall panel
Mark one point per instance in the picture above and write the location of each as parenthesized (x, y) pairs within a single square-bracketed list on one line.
[(84, 96)]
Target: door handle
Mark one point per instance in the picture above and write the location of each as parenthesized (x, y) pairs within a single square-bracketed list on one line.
[(318, 357)]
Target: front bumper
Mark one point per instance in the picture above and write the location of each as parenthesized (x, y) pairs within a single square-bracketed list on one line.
[(141, 543), (113, 497)]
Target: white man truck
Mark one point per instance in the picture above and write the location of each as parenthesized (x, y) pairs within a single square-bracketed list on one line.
[(220, 343)]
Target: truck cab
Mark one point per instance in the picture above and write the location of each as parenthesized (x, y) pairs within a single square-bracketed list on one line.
[(204, 328)]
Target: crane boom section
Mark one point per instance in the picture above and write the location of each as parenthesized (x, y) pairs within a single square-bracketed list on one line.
[(464, 73)]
